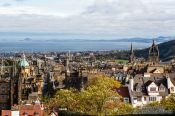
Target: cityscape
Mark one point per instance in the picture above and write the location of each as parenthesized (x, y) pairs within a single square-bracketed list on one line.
[(42, 84), (87, 58)]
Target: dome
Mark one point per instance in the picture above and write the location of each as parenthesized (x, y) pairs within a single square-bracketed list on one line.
[(23, 62)]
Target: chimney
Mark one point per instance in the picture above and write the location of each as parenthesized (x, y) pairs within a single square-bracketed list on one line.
[(42, 106), (168, 81), (131, 83)]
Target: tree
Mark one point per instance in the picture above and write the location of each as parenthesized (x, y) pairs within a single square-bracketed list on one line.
[(165, 104), (169, 103), (101, 91), (98, 98)]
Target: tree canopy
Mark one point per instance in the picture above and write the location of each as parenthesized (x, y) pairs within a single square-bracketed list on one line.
[(98, 98)]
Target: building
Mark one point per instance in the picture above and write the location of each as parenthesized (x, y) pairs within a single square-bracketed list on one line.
[(4, 93), (10, 113), (147, 81), (30, 83), (25, 110), (21, 81), (144, 90)]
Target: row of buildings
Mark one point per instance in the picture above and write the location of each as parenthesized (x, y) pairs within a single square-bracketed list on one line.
[(25, 81)]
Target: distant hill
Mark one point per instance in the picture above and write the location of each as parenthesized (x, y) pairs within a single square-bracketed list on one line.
[(166, 51), (159, 39)]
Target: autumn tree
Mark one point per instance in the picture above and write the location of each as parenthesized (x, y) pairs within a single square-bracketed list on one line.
[(169, 103), (98, 98), (166, 104)]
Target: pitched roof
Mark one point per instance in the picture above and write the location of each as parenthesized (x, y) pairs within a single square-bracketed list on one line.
[(123, 91), (143, 82)]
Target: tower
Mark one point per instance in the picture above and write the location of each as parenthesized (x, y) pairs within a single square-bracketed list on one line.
[(154, 53), (67, 67), (24, 73), (132, 57), (13, 85)]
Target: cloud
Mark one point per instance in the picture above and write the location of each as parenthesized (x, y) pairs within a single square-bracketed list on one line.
[(121, 18), (21, 10), (20, 0), (6, 4)]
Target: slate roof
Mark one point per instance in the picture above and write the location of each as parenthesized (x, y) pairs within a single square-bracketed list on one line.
[(172, 78), (143, 82)]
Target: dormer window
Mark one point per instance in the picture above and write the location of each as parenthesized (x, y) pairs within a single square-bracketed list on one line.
[(172, 88), (138, 89), (152, 89), (161, 89)]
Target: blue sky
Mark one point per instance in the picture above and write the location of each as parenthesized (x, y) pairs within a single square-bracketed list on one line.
[(117, 18)]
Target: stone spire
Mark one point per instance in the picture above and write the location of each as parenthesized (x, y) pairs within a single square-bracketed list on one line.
[(2, 66), (132, 57), (23, 56), (154, 53), (153, 42)]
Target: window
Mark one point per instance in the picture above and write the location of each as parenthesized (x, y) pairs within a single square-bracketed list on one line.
[(135, 99), (161, 89), (25, 114), (138, 89), (2, 97), (3, 90), (126, 99), (144, 98), (36, 114), (152, 89), (152, 98), (139, 99), (6, 114), (172, 88)]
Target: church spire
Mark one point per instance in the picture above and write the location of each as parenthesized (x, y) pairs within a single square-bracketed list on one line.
[(154, 53), (131, 49), (132, 57), (2, 66), (23, 56), (153, 43)]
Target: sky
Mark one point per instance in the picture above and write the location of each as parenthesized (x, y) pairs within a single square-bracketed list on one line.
[(108, 18)]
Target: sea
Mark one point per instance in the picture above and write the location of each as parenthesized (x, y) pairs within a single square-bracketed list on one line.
[(60, 42), (67, 45)]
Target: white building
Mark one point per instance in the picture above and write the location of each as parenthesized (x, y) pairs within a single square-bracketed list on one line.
[(144, 90)]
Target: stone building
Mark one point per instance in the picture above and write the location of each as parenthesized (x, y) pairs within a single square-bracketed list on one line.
[(4, 92), (30, 83), (144, 90)]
